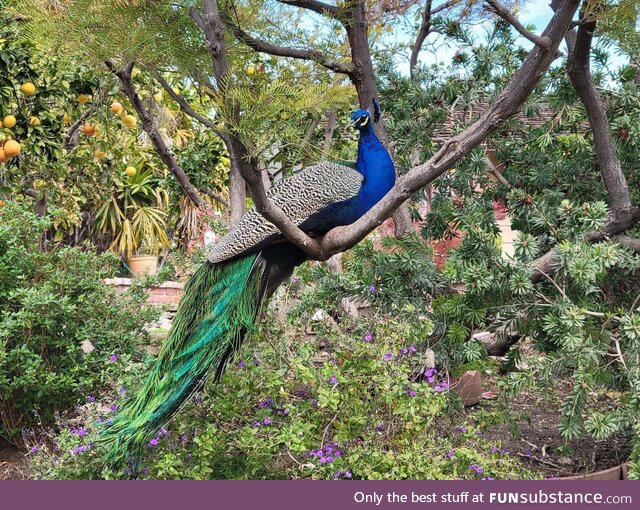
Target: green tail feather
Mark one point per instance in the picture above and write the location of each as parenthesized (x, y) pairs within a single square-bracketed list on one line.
[(219, 307)]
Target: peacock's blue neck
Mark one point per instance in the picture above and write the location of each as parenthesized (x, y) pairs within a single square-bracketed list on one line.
[(375, 164)]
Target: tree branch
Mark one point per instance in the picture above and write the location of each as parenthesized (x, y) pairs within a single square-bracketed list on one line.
[(218, 198), (314, 5), (186, 107), (287, 51), (148, 124), (423, 32), (72, 136), (606, 157), (500, 10)]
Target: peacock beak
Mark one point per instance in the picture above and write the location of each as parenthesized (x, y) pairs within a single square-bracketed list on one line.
[(351, 123)]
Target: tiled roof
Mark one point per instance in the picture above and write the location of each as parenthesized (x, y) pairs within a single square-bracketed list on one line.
[(462, 116)]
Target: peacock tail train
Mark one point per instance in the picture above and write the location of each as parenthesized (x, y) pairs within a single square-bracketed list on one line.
[(219, 307)]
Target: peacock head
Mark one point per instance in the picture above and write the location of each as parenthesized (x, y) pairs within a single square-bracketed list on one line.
[(361, 120)]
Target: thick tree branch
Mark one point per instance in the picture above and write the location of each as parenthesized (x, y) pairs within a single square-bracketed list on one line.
[(313, 5), (287, 51), (628, 241), (423, 32), (500, 10), (148, 124), (606, 157)]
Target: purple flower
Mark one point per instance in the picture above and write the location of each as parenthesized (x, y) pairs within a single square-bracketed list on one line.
[(197, 400), (266, 421), (91, 398), (430, 380), (34, 449), (295, 279), (337, 454), (285, 412), (373, 289), (122, 389), (388, 356), (255, 362), (462, 429), (163, 432), (333, 379), (368, 337), (380, 426), (552, 477), (82, 432), (267, 402), (487, 478), (412, 349), (323, 460), (256, 424), (495, 450), (451, 454), (527, 453), (154, 442), (182, 438), (412, 393), (438, 388), (242, 364), (114, 408), (346, 474), (431, 372), (444, 385), (113, 358)]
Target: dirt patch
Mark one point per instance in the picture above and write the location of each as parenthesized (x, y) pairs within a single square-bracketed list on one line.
[(526, 427), (13, 465)]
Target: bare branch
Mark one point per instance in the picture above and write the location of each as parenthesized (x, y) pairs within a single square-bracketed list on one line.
[(218, 198), (149, 126), (444, 6), (423, 32), (500, 10), (185, 106), (287, 51), (606, 157), (314, 5), (628, 241)]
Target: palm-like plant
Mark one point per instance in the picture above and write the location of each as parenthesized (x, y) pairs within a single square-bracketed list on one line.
[(134, 216)]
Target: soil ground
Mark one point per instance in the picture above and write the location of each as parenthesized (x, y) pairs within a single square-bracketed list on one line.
[(527, 428)]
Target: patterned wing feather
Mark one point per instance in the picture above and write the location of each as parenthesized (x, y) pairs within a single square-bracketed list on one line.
[(300, 196)]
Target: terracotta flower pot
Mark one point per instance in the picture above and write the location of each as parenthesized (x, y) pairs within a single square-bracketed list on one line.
[(140, 264), (614, 473)]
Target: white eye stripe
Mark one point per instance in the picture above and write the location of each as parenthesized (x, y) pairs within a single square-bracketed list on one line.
[(365, 121)]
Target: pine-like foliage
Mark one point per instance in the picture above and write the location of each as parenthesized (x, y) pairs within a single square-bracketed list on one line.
[(153, 33), (219, 306)]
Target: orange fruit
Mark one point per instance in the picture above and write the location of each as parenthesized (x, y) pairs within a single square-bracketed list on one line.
[(89, 129), (9, 121), (3, 156), (11, 148), (34, 121), (1, 204), (83, 98), (100, 154), (116, 107), (130, 171), (129, 121), (67, 118), (28, 89)]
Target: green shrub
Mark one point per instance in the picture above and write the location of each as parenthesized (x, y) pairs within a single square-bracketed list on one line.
[(51, 301)]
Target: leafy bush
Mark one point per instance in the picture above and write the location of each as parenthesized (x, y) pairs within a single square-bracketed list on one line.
[(53, 300)]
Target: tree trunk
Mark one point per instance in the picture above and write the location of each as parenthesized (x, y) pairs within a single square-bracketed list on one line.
[(237, 194)]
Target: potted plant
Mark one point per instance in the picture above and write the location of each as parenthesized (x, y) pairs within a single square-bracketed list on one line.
[(135, 219)]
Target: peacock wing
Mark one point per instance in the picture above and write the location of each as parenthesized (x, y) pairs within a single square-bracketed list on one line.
[(300, 196)]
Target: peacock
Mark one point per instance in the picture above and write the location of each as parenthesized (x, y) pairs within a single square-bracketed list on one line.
[(222, 299)]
